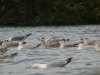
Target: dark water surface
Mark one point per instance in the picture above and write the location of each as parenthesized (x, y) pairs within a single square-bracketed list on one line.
[(85, 62)]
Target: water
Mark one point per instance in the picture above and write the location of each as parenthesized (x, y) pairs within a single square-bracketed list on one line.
[(85, 62)]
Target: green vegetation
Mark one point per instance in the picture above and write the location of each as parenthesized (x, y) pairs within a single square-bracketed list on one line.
[(49, 12)]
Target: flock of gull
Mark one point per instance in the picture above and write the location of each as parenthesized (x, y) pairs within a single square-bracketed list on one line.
[(20, 44)]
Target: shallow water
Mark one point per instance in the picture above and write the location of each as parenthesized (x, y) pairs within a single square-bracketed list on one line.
[(85, 61)]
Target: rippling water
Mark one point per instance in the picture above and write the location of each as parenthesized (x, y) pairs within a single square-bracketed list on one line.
[(85, 62)]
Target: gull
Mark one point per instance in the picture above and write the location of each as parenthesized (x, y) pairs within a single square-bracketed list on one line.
[(50, 44), (78, 45), (88, 41), (97, 46), (22, 45), (12, 55), (52, 40), (3, 48), (1, 42), (57, 63), (10, 43), (19, 38)]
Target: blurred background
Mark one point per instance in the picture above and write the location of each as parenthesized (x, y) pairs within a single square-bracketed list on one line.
[(49, 12)]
